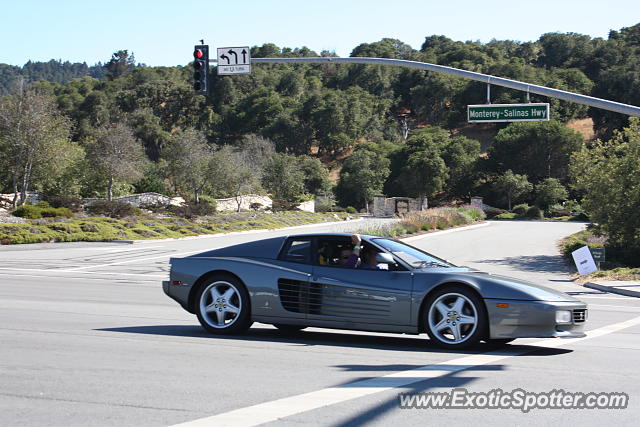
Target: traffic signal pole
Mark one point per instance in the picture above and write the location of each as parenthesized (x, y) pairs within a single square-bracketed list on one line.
[(604, 104)]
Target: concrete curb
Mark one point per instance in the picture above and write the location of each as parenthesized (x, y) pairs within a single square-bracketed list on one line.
[(233, 233), (612, 289), (441, 232)]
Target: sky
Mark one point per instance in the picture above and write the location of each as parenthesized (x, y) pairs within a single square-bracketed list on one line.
[(163, 32)]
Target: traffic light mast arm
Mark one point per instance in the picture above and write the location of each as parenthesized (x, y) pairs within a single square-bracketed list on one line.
[(604, 104)]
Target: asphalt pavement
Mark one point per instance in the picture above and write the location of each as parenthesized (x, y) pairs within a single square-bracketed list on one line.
[(87, 337)]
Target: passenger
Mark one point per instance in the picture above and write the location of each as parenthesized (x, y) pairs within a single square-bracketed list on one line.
[(359, 257)]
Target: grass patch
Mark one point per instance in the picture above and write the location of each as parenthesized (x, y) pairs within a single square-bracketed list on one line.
[(94, 229), (610, 269), (423, 221)]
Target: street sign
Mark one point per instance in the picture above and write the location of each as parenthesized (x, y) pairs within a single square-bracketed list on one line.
[(490, 113), (584, 261), (598, 254), (234, 60)]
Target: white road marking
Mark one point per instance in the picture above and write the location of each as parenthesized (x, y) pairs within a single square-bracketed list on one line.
[(285, 407), (95, 273), (86, 267), (580, 296), (615, 306)]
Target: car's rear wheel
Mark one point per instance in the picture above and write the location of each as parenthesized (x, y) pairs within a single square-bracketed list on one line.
[(289, 329), (223, 305), (455, 317)]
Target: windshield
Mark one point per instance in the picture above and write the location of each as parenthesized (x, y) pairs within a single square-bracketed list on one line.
[(410, 255)]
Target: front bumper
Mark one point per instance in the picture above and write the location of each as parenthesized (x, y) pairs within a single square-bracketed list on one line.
[(533, 319)]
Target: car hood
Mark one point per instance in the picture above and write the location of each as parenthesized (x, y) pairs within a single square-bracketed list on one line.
[(504, 287)]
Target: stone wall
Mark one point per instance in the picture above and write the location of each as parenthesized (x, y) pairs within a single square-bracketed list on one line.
[(231, 204), (390, 206), (136, 200)]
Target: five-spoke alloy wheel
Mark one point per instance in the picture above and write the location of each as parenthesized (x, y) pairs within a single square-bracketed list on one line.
[(222, 305), (455, 317)]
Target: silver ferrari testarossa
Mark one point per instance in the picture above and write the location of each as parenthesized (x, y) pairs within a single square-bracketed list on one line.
[(298, 281)]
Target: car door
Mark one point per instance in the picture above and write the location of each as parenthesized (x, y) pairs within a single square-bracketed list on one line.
[(288, 290), (349, 295)]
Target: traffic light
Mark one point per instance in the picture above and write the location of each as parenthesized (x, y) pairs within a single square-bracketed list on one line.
[(201, 69)]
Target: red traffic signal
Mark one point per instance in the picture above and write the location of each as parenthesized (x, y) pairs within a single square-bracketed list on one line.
[(201, 69)]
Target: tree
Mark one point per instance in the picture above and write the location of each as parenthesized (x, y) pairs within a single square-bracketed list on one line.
[(609, 175), (120, 64), (461, 155), (550, 191), (537, 149), (512, 186), (283, 177), (117, 154), (34, 138), (362, 177), (190, 160), (233, 173), (316, 176), (418, 169)]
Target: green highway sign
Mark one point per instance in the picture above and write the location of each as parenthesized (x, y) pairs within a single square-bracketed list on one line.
[(487, 113)]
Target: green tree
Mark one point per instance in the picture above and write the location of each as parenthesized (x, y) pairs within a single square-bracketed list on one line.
[(549, 192), (362, 177), (34, 140), (537, 149), (283, 178), (117, 155), (120, 64), (512, 186), (316, 176), (418, 169), (190, 161), (609, 175)]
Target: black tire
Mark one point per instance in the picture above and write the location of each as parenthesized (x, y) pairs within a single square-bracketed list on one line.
[(232, 295), (289, 329), (442, 321)]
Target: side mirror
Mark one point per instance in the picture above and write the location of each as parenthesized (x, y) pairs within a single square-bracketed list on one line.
[(384, 258)]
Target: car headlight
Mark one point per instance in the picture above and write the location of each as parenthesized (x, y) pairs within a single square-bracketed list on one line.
[(563, 316)]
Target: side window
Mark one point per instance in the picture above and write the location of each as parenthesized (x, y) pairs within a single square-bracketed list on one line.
[(297, 250), (333, 252)]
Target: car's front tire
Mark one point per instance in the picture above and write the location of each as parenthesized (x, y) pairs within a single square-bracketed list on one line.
[(223, 306), (455, 317)]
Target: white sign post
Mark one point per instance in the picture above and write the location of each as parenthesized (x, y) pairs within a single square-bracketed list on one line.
[(234, 60), (584, 260)]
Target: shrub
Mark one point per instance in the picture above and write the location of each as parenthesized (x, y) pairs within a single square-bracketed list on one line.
[(192, 209), (493, 212), (40, 210), (520, 210), (57, 212), (351, 210), (506, 215), (72, 203), (111, 209), (28, 211), (534, 212), (558, 210)]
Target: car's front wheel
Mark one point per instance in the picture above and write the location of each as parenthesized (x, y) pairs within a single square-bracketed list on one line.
[(223, 305), (455, 317)]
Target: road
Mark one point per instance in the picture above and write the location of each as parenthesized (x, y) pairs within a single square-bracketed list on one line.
[(88, 338)]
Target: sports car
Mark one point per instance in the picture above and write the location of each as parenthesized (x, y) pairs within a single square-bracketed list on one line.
[(300, 281)]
